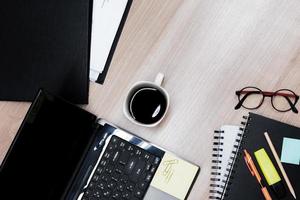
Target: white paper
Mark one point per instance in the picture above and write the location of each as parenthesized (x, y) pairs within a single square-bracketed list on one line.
[(107, 15)]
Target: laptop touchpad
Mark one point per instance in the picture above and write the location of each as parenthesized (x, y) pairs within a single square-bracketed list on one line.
[(154, 193)]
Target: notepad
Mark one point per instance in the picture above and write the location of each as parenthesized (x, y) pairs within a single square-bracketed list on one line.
[(290, 151), (172, 171)]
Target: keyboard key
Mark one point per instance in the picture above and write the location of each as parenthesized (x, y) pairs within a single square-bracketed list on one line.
[(121, 187), (138, 152), (146, 156), (115, 177), (107, 155), (103, 163), (111, 185), (156, 160), (105, 177), (99, 170), (138, 170), (130, 186), (119, 171), (126, 195), (97, 194), (142, 185), (148, 178), (138, 193), (101, 186), (122, 145), (152, 170), (124, 158), (116, 156), (116, 195), (88, 192), (92, 184), (130, 165), (111, 147), (124, 179), (95, 178), (130, 148), (106, 193), (109, 169), (148, 167), (114, 140)]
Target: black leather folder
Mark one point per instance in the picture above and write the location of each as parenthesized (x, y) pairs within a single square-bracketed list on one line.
[(45, 44)]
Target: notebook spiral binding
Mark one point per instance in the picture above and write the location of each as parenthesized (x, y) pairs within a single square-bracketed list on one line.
[(236, 155), (220, 184), (216, 164)]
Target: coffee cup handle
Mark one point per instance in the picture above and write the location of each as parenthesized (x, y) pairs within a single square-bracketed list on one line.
[(159, 79)]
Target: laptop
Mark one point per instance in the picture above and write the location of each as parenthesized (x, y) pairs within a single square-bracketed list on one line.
[(62, 151)]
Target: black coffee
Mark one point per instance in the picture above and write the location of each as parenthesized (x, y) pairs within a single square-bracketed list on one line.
[(147, 105)]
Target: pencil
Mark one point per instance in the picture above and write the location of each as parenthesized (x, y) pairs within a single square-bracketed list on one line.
[(286, 178)]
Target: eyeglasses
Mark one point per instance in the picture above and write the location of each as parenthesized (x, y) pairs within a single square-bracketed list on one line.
[(282, 100)]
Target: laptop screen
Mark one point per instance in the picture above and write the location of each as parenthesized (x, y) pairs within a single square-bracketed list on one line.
[(46, 152)]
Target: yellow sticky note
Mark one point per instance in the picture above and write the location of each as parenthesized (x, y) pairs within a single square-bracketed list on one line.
[(267, 167), (174, 176)]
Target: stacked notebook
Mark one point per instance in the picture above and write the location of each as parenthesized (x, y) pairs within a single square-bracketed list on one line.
[(231, 178)]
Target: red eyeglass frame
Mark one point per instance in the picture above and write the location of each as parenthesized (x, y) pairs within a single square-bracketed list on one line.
[(255, 90)]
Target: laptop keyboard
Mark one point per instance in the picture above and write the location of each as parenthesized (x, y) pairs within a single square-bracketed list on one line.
[(123, 173)]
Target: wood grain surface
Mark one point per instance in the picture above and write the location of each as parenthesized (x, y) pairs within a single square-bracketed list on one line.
[(207, 49)]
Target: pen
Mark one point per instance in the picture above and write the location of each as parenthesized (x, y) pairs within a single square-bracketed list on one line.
[(254, 172), (286, 178)]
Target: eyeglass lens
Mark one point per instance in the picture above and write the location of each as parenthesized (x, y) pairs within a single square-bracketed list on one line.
[(253, 97), (282, 100)]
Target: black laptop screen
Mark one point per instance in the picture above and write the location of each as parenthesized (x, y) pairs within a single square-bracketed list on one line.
[(46, 151)]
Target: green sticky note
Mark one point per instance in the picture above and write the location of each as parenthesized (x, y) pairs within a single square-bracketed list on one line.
[(290, 151)]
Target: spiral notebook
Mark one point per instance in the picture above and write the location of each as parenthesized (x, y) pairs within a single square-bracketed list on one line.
[(225, 144), (239, 184)]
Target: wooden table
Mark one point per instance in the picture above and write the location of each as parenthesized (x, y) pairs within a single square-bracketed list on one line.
[(207, 49)]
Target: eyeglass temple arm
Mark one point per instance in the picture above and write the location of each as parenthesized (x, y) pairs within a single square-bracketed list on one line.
[(294, 109), (240, 103)]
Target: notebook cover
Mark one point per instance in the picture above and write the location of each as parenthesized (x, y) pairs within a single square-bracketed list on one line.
[(45, 44), (244, 186)]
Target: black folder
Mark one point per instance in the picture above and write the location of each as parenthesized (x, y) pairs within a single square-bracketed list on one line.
[(45, 44)]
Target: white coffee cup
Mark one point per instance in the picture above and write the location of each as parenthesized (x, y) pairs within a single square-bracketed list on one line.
[(145, 84)]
